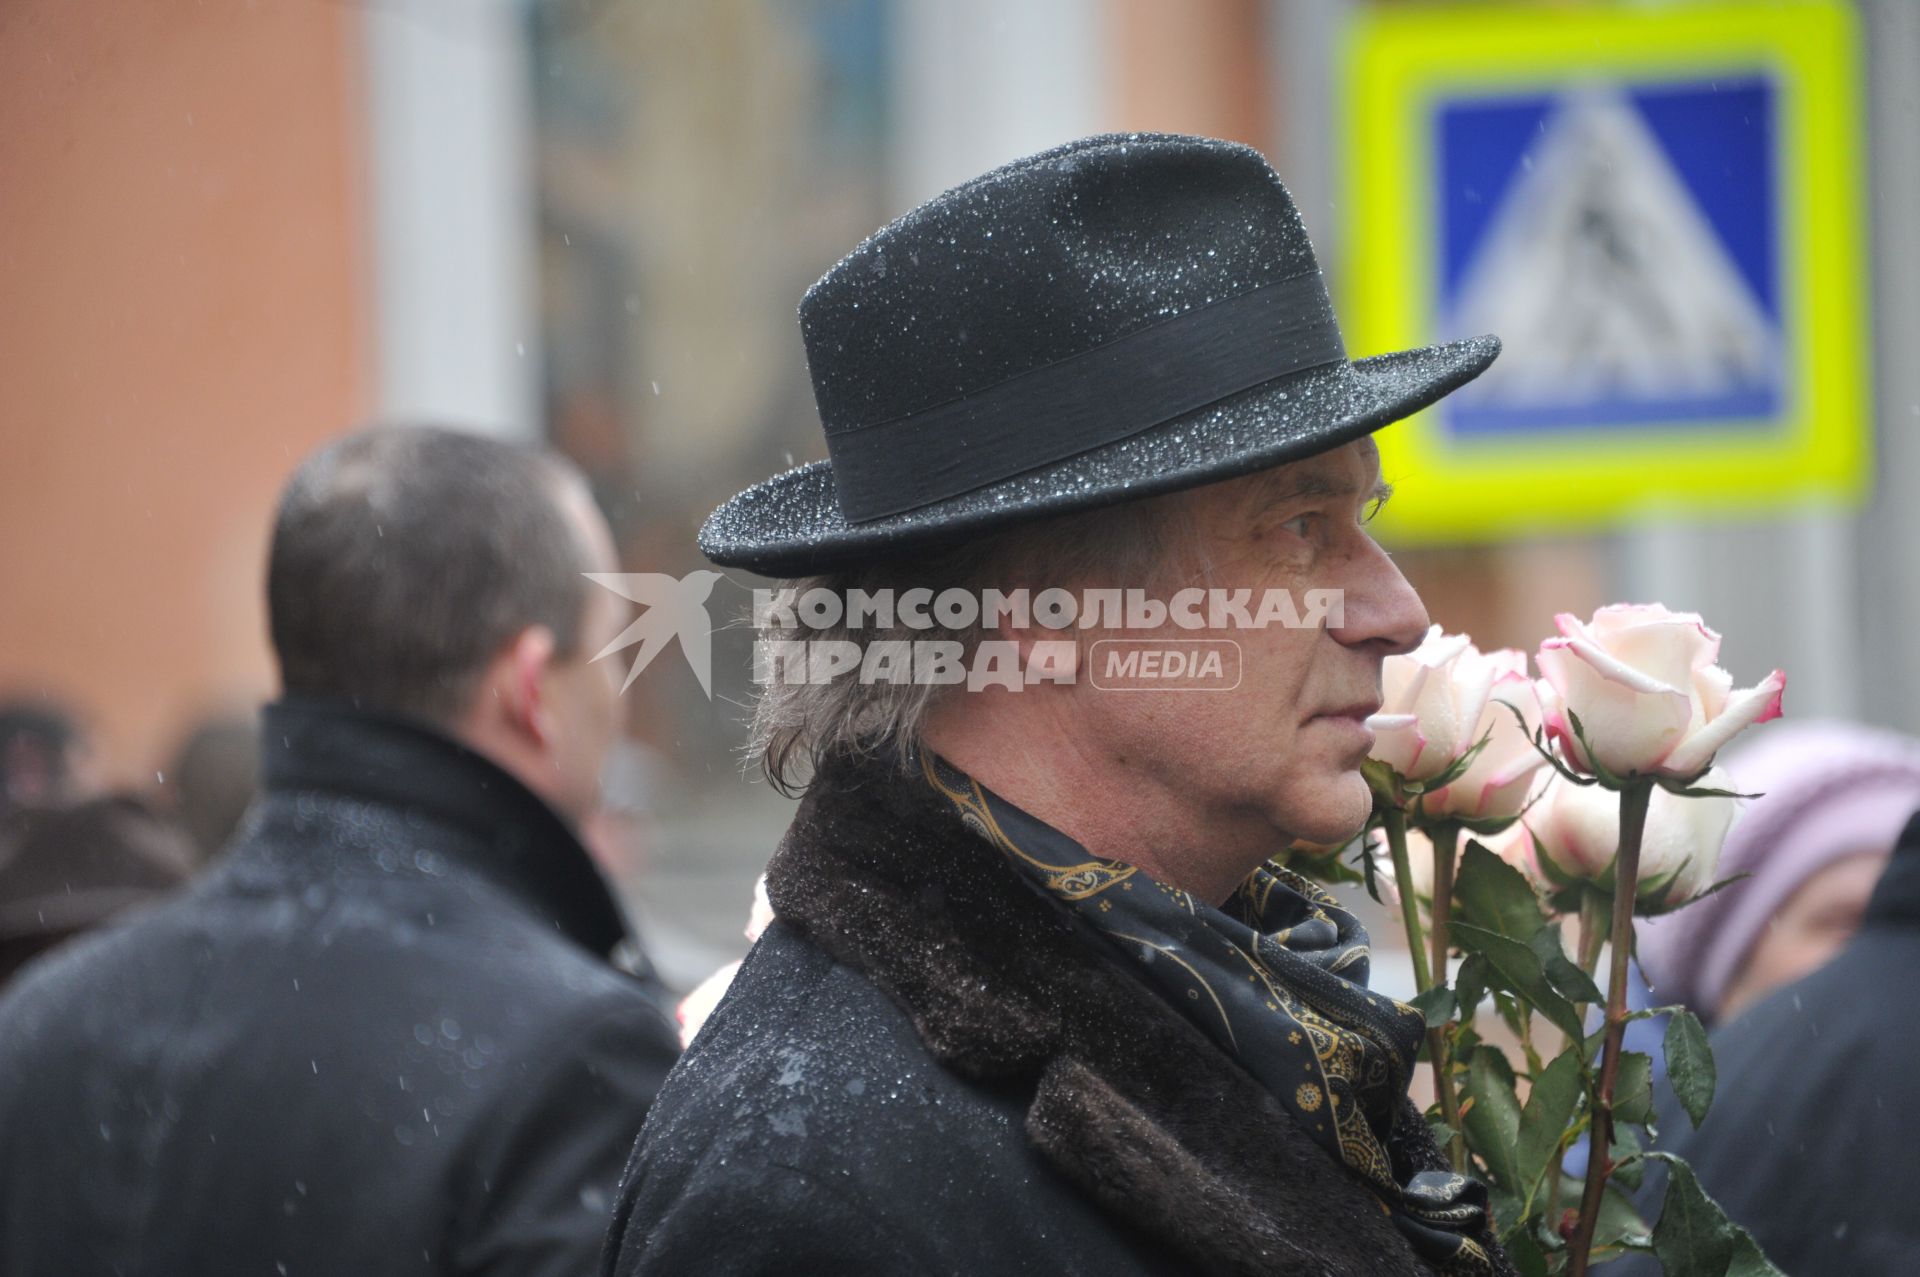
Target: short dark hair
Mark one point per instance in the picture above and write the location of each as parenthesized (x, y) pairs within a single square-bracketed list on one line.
[(405, 557)]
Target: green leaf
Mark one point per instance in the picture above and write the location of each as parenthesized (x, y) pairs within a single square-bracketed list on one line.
[(1619, 1226), (1562, 972), (1503, 1210), (1747, 1259), (1488, 892), (1529, 1260), (1368, 869), (1630, 1168), (1493, 1121), (1690, 1064), (1518, 968), (1470, 985), (1649, 1013), (1389, 789), (1694, 1237), (1436, 1004), (1633, 1088), (1543, 1122)]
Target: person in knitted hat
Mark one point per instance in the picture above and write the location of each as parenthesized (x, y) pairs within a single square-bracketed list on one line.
[(1834, 797)]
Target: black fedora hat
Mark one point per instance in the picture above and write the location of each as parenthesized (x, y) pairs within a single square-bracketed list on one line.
[(1122, 316)]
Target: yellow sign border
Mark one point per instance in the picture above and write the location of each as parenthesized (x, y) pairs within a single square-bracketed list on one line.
[(1399, 60)]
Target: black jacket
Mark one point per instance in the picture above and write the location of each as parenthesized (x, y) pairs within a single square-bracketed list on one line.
[(382, 1037), (925, 1067), (1810, 1141)]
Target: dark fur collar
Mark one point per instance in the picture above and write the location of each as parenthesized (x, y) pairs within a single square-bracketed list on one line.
[(1130, 1102)]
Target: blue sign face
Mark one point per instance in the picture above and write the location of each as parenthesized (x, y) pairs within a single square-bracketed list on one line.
[(1623, 240)]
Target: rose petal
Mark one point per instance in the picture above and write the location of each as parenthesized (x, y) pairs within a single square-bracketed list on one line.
[(1443, 722), (1617, 617), (1631, 721), (1497, 783), (1577, 827), (1711, 687), (1553, 717), (1396, 740), (1669, 650), (1682, 840), (1743, 709)]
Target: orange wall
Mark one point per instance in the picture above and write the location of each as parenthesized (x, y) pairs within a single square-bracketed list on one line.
[(1201, 66), (183, 275)]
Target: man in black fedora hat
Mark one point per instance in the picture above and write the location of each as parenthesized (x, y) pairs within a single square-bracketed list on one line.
[(1034, 999)]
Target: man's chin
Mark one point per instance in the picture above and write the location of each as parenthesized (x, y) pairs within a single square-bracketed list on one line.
[(1338, 815)]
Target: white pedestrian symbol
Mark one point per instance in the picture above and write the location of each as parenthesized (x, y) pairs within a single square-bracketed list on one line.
[(673, 607), (1605, 280)]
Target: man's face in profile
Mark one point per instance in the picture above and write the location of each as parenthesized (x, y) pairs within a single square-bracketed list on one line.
[(1286, 745)]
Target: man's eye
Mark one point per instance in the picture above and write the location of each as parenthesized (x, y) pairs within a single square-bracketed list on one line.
[(1303, 525), (1371, 509)]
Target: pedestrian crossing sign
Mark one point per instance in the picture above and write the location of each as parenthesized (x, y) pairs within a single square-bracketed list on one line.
[(1657, 210)]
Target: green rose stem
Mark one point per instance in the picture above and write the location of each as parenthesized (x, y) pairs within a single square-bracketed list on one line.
[(1594, 919), (1394, 821), (1626, 873), (1446, 851)]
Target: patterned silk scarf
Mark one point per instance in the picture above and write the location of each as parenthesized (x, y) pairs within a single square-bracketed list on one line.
[(1278, 980)]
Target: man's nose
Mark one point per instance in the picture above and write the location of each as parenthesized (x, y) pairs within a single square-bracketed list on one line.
[(1383, 610)]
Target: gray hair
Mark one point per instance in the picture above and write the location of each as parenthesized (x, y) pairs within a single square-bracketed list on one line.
[(797, 725)]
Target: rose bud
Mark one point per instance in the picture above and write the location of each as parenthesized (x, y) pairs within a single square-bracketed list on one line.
[(1432, 703), (1576, 835), (1502, 776), (1649, 698)]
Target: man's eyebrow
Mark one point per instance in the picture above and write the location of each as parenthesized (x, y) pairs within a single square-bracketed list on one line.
[(1310, 486)]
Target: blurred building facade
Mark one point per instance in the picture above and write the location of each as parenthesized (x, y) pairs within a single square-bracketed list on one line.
[(232, 230)]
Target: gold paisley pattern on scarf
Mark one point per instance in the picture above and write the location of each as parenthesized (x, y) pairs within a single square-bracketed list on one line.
[(1278, 979)]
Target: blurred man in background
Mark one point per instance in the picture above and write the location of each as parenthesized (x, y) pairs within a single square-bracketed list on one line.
[(383, 1035)]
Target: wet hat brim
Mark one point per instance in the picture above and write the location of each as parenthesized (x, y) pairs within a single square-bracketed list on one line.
[(791, 525)]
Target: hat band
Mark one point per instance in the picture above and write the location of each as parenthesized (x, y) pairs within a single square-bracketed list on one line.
[(1100, 396)]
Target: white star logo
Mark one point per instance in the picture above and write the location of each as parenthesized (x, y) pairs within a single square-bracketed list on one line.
[(671, 608)]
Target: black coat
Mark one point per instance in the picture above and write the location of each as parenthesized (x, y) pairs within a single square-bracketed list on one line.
[(382, 1037), (1810, 1143), (926, 1067)]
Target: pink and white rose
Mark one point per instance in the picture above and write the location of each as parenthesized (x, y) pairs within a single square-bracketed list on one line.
[(1643, 683), (1504, 775), (1432, 703), (1575, 834)]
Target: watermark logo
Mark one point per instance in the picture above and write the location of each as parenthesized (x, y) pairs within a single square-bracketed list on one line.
[(813, 636), (671, 608), (1164, 665)]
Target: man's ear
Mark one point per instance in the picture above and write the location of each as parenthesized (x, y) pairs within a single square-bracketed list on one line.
[(520, 684)]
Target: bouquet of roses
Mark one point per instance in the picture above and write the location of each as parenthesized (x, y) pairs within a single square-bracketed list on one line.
[(1582, 798)]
